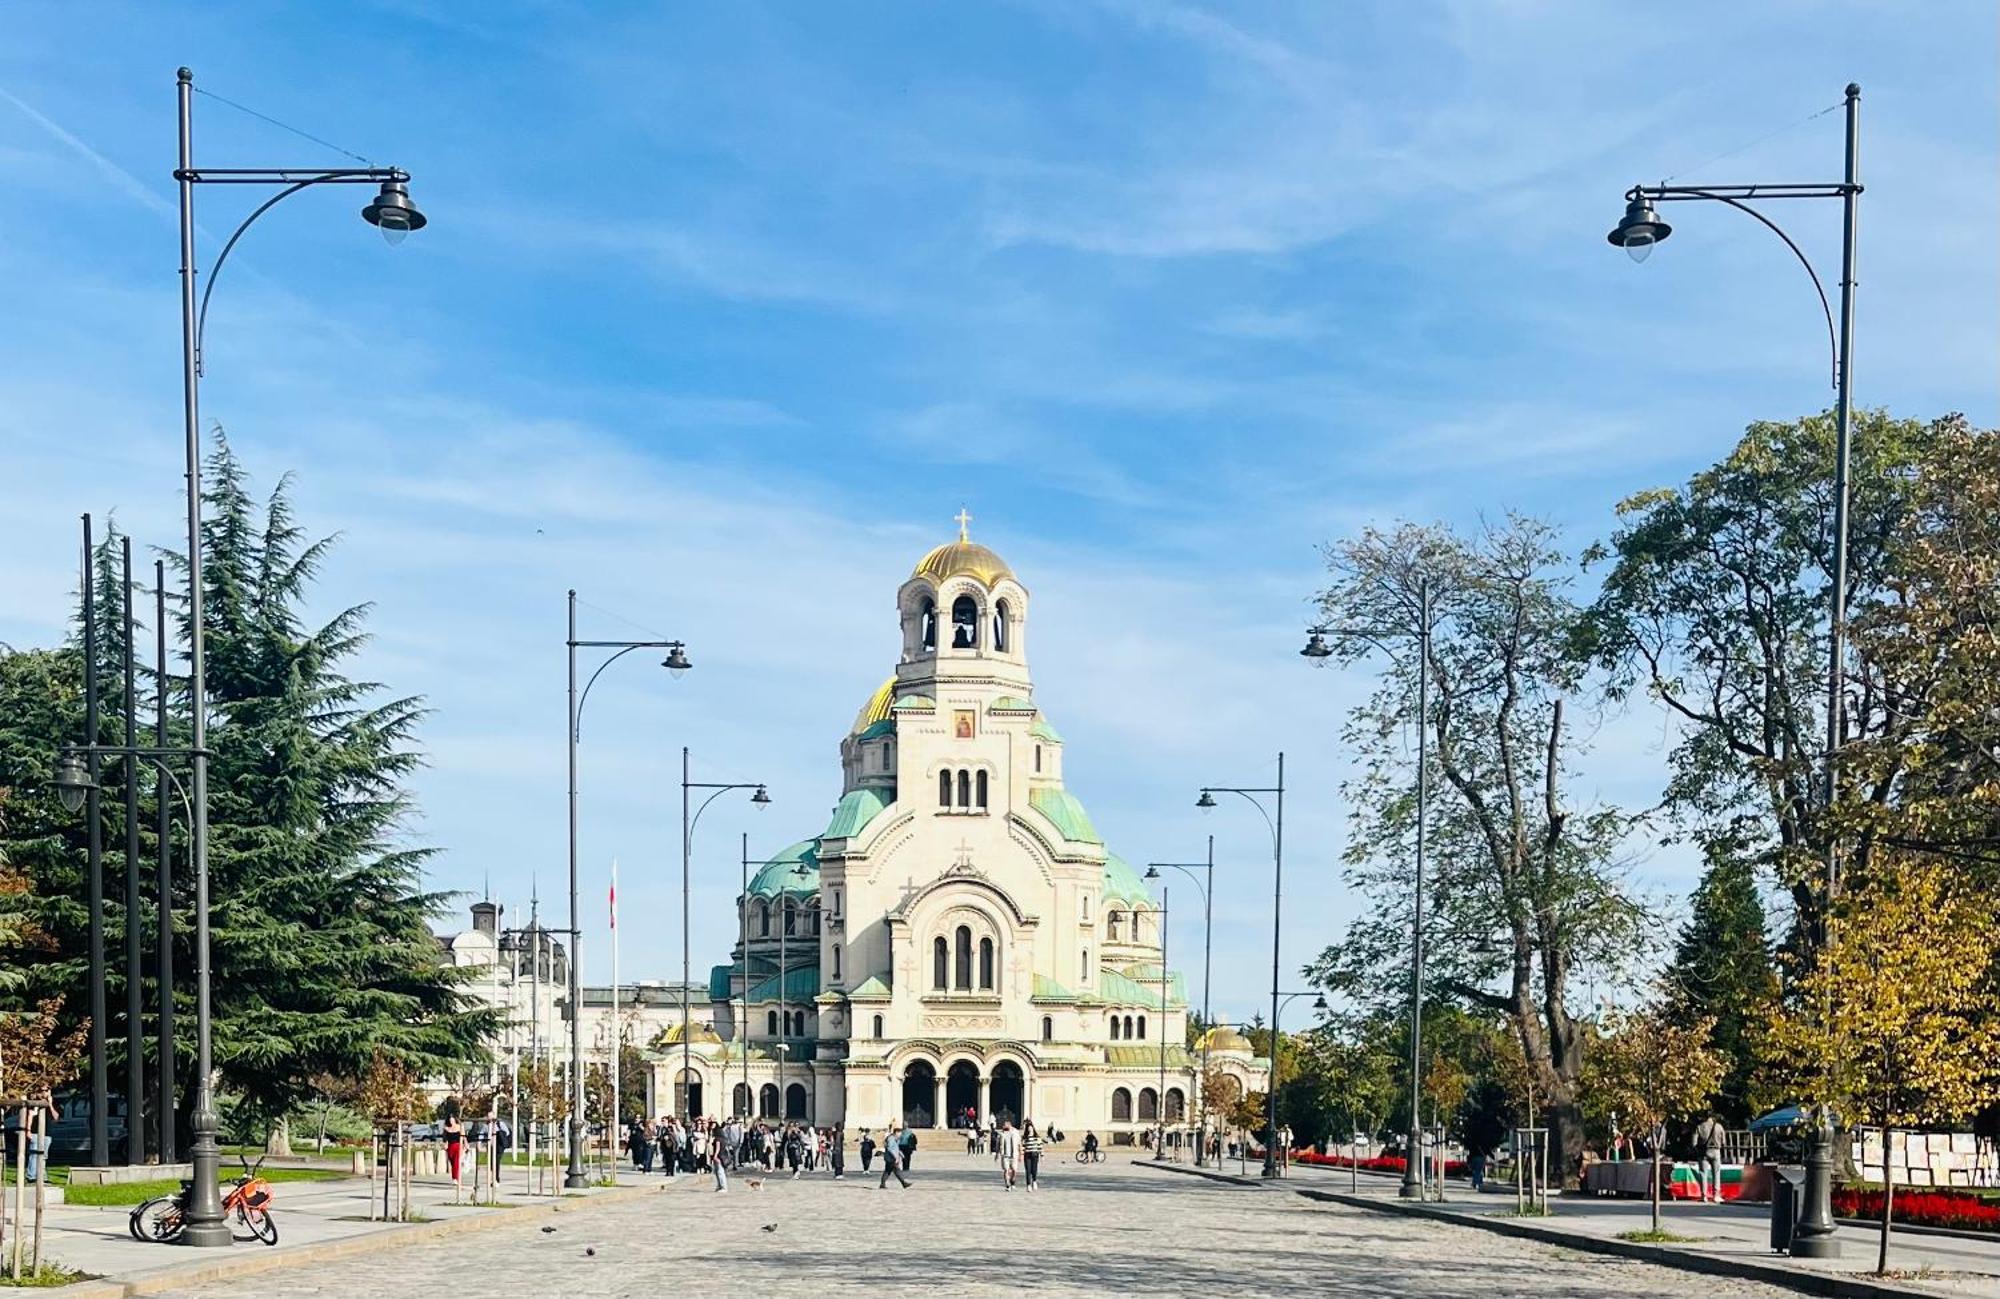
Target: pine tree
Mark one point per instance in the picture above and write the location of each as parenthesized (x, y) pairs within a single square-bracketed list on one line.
[(1722, 974)]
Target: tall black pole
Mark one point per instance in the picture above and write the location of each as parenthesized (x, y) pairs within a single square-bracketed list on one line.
[(1277, 929), (1160, 1136), (743, 1024), (574, 1177), (135, 1028), (205, 1225), (100, 1086), (164, 831), (1413, 1185), (1814, 1237), (686, 831)]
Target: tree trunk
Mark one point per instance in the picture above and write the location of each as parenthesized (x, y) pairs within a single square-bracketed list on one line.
[(1888, 1205), (1656, 1185), (279, 1142)]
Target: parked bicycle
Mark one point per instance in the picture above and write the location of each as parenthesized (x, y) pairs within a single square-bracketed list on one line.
[(246, 1207), (1089, 1156)]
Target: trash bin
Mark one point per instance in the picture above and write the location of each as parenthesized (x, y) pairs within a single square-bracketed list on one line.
[(1788, 1200)]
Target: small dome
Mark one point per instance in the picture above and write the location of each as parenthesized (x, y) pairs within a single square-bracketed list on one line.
[(1121, 882), (967, 558), (697, 1032), (1223, 1039), (877, 708), (781, 873)]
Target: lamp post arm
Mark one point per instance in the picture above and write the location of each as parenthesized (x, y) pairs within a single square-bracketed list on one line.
[(1248, 796), (584, 698), (1662, 193), (270, 176)]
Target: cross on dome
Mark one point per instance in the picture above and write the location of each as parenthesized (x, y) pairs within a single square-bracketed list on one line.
[(962, 518)]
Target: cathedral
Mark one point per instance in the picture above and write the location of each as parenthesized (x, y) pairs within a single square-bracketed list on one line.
[(958, 943)]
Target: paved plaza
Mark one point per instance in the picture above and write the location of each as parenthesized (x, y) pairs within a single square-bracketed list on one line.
[(1109, 1229)]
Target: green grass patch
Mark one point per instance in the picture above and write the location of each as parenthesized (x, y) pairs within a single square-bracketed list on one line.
[(47, 1277), (127, 1193), (1648, 1236)]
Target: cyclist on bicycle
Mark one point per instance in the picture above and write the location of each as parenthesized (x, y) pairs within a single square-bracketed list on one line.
[(1090, 1143)]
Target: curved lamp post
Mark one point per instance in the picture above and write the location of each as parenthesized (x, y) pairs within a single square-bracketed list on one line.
[(760, 799), (1249, 794), (1207, 892), (395, 215), (676, 663), (1637, 233), (1319, 651)]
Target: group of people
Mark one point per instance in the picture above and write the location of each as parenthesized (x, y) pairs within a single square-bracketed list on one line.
[(719, 1146), (716, 1146)]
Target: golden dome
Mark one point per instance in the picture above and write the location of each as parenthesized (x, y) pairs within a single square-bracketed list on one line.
[(1223, 1039), (877, 709), (697, 1032), (962, 557)]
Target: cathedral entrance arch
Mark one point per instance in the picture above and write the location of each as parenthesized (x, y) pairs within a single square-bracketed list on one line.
[(1010, 1092), (961, 1094), (795, 1101), (919, 1095), (687, 1090)]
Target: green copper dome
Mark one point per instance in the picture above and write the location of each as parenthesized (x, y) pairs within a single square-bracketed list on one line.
[(780, 874), (1121, 882)]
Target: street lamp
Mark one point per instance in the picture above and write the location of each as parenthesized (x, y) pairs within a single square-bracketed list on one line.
[(205, 1224), (676, 663), (1207, 951), (1317, 649), (1636, 234), (1249, 795), (760, 798)]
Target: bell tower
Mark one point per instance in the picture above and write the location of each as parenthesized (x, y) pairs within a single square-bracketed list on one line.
[(965, 619)]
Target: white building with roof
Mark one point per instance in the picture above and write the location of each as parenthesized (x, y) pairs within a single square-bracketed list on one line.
[(958, 941)]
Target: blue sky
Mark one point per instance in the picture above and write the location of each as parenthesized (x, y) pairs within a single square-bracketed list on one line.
[(726, 309)]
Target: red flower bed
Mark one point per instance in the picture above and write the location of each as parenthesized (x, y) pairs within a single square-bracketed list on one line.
[(1372, 1164), (1955, 1209)]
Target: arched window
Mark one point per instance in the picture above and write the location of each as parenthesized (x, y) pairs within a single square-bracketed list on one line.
[(1038, 759), (1121, 1106), (795, 1101), (1083, 973), (1086, 908), (1149, 1105), (961, 974), (763, 920), (1128, 1028), (740, 1100), (965, 623), (836, 902), (836, 960), (940, 960), (927, 621), (878, 1026), (1000, 627), (1142, 1028), (770, 1023), (979, 797), (767, 1101), (791, 918), (1176, 1105), (1048, 1029), (815, 920), (986, 965), (965, 789), (944, 789), (1114, 922), (1114, 1028)]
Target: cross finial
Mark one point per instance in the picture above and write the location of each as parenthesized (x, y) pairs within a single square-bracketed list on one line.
[(964, 862), (963, 518)]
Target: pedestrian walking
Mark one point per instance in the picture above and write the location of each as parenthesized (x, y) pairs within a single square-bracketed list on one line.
[(1708, 1139), (892, 1160), (1031, 1155), (1007, 1151), (837, 1151), (906, 1148), (867, 1151), (454, 1144)]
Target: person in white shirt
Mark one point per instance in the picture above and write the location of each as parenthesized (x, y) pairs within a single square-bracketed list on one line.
[(1007, 1145)]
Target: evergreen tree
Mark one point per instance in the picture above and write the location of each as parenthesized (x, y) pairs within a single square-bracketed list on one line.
[(1722, 973)]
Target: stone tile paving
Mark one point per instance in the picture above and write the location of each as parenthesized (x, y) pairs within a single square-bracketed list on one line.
[(1106, 1230)]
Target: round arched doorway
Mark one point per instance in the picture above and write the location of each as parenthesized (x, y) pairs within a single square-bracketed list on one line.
[(961, 1094), (919, 1095), (1009, 1092)]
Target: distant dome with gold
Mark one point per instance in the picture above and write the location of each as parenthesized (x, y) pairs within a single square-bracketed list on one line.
[(964, 557)]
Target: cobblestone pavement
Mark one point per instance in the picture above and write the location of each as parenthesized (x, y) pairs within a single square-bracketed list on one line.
[(1108, 1230)]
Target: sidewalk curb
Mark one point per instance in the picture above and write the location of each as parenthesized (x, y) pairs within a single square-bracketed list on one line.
[(240, 1263), (1229, 1179), (1815, 1283)]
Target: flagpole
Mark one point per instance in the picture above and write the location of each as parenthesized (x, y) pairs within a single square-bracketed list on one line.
[(612, 1125)]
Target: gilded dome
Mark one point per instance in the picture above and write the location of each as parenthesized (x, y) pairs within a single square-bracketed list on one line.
[(877, 707), (964, 557), (967, 558), (1223, 1038)]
